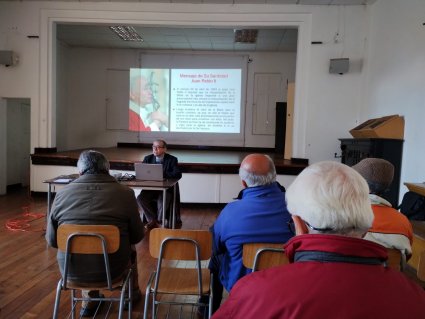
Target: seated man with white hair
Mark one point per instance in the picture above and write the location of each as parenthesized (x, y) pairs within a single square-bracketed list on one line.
[(334, 273)]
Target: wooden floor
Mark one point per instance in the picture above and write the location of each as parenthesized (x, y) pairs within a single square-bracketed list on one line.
[(28, 267)]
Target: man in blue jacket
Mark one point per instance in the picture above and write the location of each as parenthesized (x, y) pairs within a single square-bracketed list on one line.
[(259, 215)]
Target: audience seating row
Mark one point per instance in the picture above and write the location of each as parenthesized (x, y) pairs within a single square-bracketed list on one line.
[(168, 279)]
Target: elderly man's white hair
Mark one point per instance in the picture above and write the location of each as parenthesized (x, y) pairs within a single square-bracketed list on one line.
[(330, 195)]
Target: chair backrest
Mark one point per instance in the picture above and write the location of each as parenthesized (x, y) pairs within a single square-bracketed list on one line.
[(258, 256), (88, 239), (185, 245), (417, 260), (185, 249), (394, 258), (421, 266), (84, 241)]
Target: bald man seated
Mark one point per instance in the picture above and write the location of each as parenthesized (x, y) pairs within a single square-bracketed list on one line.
[(258, 215)]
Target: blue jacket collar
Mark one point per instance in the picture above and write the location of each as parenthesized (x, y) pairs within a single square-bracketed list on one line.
[(259, 190)]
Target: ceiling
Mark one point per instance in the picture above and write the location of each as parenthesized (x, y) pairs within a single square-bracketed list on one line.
[(166, 38), (298, 2), (181, 38)]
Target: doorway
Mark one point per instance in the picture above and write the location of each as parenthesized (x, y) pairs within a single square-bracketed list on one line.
[(15, 143)]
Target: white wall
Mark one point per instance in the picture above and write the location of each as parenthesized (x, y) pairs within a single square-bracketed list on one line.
[(396, 76), (22, 80), (333, 99), (327, 106)]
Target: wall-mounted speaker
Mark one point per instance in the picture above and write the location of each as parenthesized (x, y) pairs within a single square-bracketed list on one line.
[(339, 66)]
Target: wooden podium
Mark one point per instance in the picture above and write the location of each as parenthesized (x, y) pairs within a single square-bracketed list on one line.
[(418, 188), (391, 126)]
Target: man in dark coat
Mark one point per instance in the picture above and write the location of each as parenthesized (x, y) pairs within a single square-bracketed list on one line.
[(150, 201), (96, 198)]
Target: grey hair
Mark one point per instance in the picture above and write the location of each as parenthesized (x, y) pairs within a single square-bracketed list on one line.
[(331, 195), (92, 162), (253, 180)]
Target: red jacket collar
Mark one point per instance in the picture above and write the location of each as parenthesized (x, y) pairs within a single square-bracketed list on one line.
[(334, 244)]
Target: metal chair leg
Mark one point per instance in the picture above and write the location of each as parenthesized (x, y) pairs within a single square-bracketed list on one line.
[(127, 286), (130, 293), (210, 302), (57, 299), (73, 304), (121, 304), (147, 294)]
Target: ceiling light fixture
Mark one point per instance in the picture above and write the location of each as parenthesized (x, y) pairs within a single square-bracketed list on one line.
[(126, 33), (246, 36)]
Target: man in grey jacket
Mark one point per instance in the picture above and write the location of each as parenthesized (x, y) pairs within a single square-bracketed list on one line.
[(96, 198)]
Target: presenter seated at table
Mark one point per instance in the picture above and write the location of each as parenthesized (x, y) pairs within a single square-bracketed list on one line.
[(150, 201)]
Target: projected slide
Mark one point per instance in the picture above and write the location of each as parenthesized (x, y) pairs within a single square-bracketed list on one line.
[(185, 100)]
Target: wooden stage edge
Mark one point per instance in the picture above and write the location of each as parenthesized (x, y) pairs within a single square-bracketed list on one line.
[(192, 159)]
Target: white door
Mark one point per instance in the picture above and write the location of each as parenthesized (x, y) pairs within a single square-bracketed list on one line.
[(268, 89)]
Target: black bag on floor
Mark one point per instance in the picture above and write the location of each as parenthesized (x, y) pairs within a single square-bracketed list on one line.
[(413, 206)]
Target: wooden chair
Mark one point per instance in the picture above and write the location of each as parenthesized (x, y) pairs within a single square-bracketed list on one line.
[(179, 245), (421, 266), (92, 239), (258, 256), (395, 259), (417, 261)]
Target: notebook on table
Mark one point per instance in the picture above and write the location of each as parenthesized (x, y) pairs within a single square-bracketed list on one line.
[(149, 172)]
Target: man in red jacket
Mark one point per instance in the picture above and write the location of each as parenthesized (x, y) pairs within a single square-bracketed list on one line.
[(334, 273)]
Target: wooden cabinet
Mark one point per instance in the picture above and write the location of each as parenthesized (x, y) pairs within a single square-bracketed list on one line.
[(356, 149)]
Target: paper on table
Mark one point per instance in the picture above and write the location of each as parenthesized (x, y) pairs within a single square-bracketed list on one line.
[(63, 180)]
